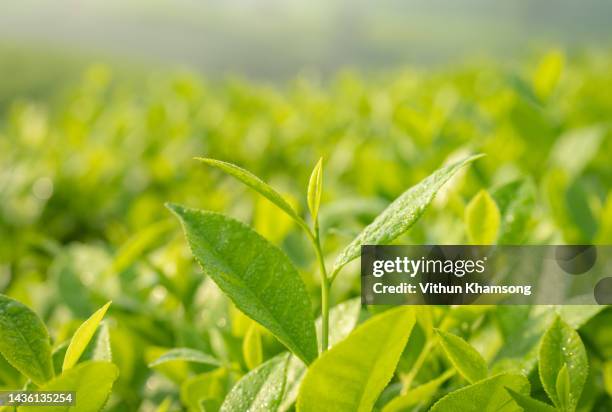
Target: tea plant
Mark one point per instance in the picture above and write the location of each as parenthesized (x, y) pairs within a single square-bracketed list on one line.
[(271, 321)]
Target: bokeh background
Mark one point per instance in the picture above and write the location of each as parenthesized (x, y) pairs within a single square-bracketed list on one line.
[(103, 105)]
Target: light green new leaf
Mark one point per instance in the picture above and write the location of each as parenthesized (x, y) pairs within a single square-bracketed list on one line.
[(607, 375), (257, 276), (82, 336), (204, 392), (315, 187), (251, 347), (529, 404), (139, 244), (548, 73), (351, 375), (561, 347), (24, 341), (400, 215), (563, 389), (482, 219), (100, 347), (488, 395), (260, 390), (420, 395), (463, 356), (92, 381), (256, 184), (186, 355), (342, 320)]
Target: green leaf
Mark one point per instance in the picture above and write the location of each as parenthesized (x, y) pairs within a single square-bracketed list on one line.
[(251, 347), (261, 389), (139, 244), (315, 187), (607, 375), (100, 347), (256, 184), (463, 356), (488, 395), (400, 215), (529, 404), (516, 201), (547, 74), (24, 341), (562, 387), (351, 375), (561, 347), (257, 276), (420, 395), (482, 219), (186, 355), (92, 381), (206, 388), (82, 336), (342, 320)]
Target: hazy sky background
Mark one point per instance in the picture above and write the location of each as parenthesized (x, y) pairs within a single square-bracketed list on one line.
[(274, 38)]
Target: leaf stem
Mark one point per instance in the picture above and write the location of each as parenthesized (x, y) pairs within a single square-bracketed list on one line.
[(325, 287)]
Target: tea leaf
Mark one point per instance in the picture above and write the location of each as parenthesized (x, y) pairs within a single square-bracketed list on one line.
[(488, 395), (400, 215), (482, 219), (251, 347), (100, 347), (92, 381), (351, 375), (187, 355), (463, 356), (257, 276), (529, 404), (315, 187), (261, 389), (561, 347), (82, 336), (24, 341), (516, 202), (256, 184), (342, 320), (418, 396), (607, 375), (206, 388), (562, 387), (547, 74)]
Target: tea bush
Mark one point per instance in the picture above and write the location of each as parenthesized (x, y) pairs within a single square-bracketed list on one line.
[(266, 316)]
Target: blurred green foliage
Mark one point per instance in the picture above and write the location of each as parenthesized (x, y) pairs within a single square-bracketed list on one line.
[(84, 179)]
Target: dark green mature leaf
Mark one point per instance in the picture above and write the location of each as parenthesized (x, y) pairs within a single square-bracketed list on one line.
[(82, 337), (351, 375), (529, 404), (561, 347), (187, 355), (92, 381), (24, 341), (258, 277), (463, 356), (400, 215), (256, 184), (488, 395), (261, 389)]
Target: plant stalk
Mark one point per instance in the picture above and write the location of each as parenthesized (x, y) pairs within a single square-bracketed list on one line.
[(325, 287)]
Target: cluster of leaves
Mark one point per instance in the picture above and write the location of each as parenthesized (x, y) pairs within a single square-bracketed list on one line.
[(83, 192)]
